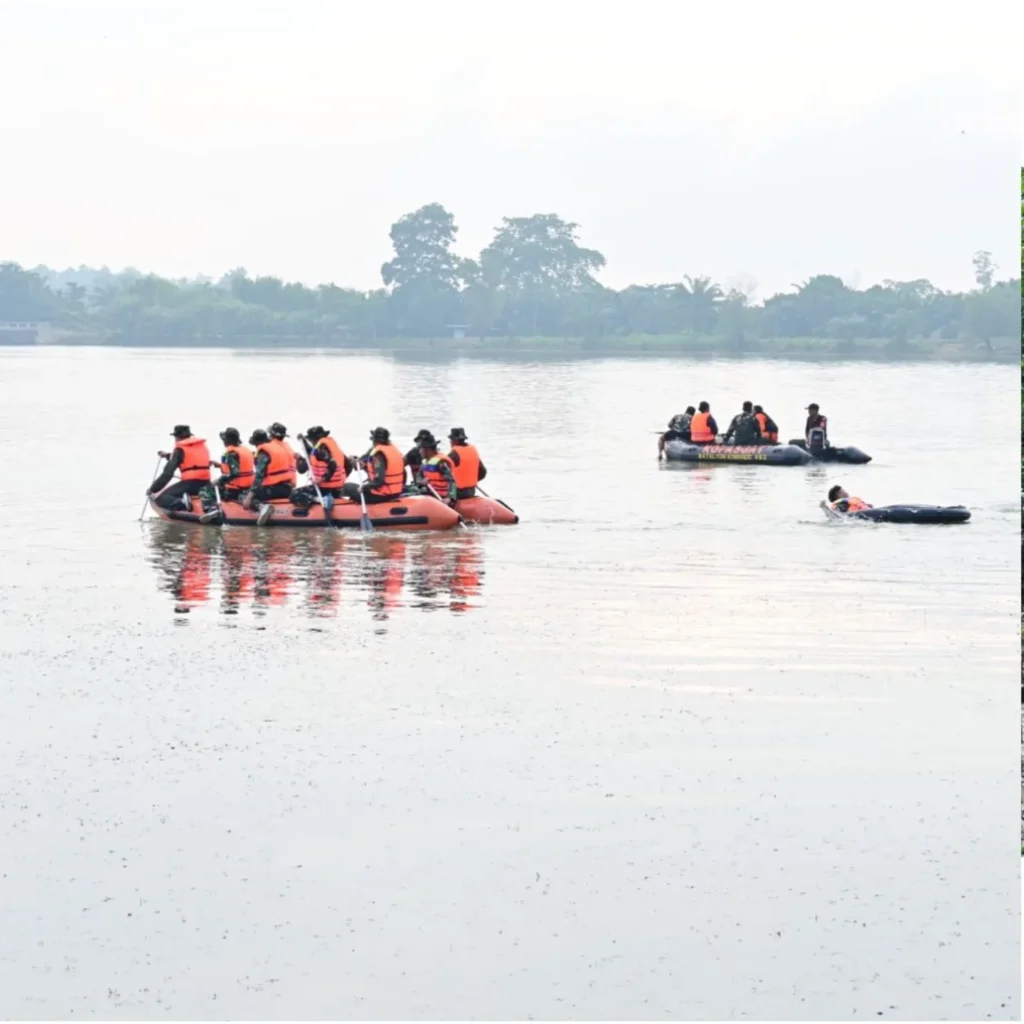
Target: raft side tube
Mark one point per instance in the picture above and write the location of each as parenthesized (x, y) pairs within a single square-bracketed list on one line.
[(850, 454), (486, 511), (411, 512), (753, 454), (922, 514)]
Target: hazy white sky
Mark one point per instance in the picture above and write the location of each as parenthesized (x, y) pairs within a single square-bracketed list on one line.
[(769, 141)]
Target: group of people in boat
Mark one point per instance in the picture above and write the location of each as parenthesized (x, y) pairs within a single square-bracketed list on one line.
[(269, 468), (750, 426)]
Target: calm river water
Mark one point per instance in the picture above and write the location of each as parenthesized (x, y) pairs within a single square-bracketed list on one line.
[(675, 747)]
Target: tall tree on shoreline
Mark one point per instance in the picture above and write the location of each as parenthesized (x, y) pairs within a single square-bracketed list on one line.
[(425, 276), (535, 261)]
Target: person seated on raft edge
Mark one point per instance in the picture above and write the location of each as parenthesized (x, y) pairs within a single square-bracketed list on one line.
[(467, 466), (437, 473), (413, 459), (840, 501), (816, 429), (744, 429), (385, 469), (236, 475), (190, 457), (703, 428), (329, 466), (278, 432), (678, 429), (274, 474), (768, 427)]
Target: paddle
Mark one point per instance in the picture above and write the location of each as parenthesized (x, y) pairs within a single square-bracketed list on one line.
[(498, 500), (312, 480), (429, 487), (364, 520), (145, 503)]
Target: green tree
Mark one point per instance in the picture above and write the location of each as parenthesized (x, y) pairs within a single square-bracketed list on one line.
[(537, 261), (984, 269), (425, 276)]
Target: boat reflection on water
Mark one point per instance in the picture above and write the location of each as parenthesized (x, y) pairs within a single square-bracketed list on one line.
[(316, 572)]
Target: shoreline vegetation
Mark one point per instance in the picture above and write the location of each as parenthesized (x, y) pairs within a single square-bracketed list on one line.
[(532, 291)]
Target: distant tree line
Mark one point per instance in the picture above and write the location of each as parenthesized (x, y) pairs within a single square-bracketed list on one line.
[(534, 280)]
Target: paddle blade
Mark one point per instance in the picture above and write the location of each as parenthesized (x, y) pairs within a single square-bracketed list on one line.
[(364, 523)]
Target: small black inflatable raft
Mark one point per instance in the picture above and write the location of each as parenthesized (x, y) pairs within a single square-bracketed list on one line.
[(850, 455), (904, 514)]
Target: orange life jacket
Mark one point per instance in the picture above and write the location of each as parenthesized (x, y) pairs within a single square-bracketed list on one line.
[(318, 466), (700, 432), (856, 504), (467, 472), (246, 466), (195, 459), (762, 422), (281, 468), (394, 469), (432, 473)]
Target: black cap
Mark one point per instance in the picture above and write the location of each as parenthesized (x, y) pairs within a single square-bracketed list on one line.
[(315, 433), (381, 435), (230, 435), (813, 405), (181, 431), (278, 430), (259, 436), (457, 434)]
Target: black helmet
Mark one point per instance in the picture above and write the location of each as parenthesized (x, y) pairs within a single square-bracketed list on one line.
[(457, 434), (230, 435), (278, 430), (315, 433), (259, 436), (181, 431), (380, 435), (425, 439)]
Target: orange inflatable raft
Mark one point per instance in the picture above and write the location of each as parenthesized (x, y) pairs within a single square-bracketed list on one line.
[(486, 511), (411, 512)]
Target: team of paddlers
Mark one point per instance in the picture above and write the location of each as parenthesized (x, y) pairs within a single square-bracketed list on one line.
[(751, 426), (268, 471)]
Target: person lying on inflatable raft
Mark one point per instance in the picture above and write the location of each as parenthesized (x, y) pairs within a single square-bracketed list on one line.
[(841, 501)]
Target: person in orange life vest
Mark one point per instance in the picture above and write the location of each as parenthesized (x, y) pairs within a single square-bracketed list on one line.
[(385, 469), (274, 474), (190, 458), (328, 465), (703, 428), (768, 427), (840, 501), (467, 466), (278, 432), (237, 466), (816, 429), (437, 471)]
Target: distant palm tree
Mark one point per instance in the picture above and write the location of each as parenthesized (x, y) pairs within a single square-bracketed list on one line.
[(703, 297)]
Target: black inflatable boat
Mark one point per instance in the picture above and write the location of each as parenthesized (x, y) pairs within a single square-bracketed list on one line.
[(904, 514), (850, 455), (757, 454)]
